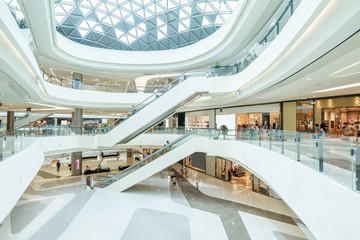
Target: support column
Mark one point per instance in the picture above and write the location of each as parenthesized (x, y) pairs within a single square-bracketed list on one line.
[(78, 81), (212, 119), (255, 183), (210, 166), (77, 120), (10, 126), (76, 163), (130, 159), (228, 167), (76, 157)]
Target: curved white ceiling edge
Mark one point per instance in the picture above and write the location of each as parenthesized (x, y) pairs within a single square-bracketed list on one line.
[(55, 94), (232, 37), (40, 91), (18, 63), (314, 29)]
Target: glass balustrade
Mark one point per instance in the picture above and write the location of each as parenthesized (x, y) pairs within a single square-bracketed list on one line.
[(101, 87), (271, 31), (328, 154), (153, 97), (17, 140), (209, 133)]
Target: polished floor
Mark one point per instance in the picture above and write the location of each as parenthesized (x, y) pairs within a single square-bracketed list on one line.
[(59, 207)]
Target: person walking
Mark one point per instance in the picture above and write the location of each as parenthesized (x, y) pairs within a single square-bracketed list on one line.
[(181, 174), (186, 171), (162, 173), (58, 165)]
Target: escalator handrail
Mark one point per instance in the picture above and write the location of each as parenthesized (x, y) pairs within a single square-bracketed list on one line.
[(217, 131), (167, 87)]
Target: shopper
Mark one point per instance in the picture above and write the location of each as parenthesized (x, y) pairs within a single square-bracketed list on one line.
[(181, 174), (186, 172), (162, 173), (229, 175), (58, 165)]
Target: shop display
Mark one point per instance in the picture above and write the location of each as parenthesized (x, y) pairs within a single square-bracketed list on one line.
[(343, 121), (197, 122), (304, 116), (258, 120)]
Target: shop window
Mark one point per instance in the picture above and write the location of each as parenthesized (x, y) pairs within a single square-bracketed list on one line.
[(341, 121), (304, 116)]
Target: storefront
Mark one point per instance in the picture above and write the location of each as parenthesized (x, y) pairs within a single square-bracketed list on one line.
[(305, 116), (262, 116), (336, 120), (200, 119), (339, 115), (264, 120)]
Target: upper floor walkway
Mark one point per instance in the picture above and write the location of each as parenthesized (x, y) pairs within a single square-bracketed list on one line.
[(315, 183)]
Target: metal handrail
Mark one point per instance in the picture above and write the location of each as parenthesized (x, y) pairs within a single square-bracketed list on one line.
[(129, 169), (157, 94)]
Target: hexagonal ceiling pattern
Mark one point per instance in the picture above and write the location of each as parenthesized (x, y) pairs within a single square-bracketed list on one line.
[(140, 25)]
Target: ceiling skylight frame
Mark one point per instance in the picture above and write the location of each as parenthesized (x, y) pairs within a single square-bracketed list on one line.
[(124, 22)]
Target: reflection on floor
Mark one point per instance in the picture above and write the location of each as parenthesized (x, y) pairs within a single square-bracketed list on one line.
[(235, 193), (63, 208)]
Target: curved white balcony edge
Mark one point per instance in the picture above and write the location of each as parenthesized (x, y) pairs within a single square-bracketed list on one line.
[(243, 25)]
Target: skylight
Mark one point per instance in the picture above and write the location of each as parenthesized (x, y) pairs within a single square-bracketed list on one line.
[(140, 25)]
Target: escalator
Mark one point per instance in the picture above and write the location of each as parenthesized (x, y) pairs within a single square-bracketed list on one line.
[(161, 159), (161, 104), (32, 117)]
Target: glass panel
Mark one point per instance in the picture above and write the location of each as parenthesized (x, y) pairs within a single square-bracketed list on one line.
[(150, 26), (157, 94), (211, 133), (271, 31), (321, 152)]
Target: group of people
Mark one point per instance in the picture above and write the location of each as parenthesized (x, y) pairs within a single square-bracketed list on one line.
[(257, 126)]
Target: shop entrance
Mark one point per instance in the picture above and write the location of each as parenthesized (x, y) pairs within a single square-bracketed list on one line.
[(341, 121), (304, 116)]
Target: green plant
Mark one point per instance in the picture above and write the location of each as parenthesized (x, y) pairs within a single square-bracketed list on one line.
[(216, 68), (224, 129)]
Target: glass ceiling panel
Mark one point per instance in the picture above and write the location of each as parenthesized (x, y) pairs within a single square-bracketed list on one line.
[(140, 25), (16, 12)]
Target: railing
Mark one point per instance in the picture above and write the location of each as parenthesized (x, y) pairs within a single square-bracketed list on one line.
[(280, 19), (70, 83), (210, 133), (169, 130), (17, 140), (333, 156), (153, 97)]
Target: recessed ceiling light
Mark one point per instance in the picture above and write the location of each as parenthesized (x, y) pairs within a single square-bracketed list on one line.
[(339, 88), (308, 79)]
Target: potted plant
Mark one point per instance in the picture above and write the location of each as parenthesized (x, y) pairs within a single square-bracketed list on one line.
[(224, 131), (215, 69)]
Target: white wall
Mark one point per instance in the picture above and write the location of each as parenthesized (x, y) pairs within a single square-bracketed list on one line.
[(227, 120)]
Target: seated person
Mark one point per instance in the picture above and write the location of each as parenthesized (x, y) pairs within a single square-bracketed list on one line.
[(98, 168), (87, 168)]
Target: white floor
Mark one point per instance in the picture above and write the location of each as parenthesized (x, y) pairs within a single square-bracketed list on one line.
[(149, 210), (107, 214), (236, 193), (260, 228)]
